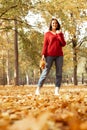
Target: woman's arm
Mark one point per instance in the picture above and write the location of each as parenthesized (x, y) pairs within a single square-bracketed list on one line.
[(61, 38)]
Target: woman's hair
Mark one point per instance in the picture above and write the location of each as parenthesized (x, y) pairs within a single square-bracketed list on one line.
[(50, 27)]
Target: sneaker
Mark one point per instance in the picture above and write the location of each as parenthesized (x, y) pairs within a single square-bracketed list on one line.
[(37, 92), (56, 92)]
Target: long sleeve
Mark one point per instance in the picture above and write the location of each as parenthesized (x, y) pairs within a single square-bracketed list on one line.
[(45, 45), (61, 39)]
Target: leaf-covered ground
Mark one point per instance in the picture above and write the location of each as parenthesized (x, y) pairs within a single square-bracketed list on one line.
[(20, 109)]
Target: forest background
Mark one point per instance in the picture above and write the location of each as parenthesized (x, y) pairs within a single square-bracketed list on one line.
[(22, 27)]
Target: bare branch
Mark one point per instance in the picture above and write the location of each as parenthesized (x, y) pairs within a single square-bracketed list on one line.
[(12, 19), (81, 42), (8, 10)]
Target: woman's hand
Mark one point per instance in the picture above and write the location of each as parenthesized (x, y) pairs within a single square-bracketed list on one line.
[(42, 62), (43, 57), (58, 31)]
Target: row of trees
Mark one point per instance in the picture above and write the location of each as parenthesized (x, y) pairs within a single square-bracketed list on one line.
[(21, 42)]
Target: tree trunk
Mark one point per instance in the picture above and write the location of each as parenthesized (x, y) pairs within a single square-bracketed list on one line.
[(7, 67), (27, 79), (3, 70), (82, 78), (75, 66), (74, 45), (16, 68), (7, 62)]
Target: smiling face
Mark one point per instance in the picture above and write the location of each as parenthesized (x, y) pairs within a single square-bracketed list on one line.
[(54, 25)]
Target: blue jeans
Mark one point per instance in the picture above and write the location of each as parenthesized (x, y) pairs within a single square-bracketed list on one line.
[(58, 63)]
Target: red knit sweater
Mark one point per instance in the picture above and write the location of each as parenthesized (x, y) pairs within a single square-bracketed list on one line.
[(53, 44)]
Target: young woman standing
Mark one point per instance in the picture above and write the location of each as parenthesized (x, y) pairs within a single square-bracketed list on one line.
[(52, 52)]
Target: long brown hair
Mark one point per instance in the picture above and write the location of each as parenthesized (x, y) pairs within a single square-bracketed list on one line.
[(50, 27)]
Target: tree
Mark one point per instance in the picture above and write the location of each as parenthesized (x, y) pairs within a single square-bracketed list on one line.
[(30, 46), (16, 70), (14, 12)]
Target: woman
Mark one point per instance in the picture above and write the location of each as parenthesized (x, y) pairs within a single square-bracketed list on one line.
[(52, 52)]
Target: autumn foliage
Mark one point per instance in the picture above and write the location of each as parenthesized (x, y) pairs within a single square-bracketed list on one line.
[(20, 109), (42, 64)]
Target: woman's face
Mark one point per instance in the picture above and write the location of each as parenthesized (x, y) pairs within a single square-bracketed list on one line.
[(54, 25)]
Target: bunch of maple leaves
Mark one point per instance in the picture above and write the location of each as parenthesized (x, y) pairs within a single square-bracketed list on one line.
[(20, 109)]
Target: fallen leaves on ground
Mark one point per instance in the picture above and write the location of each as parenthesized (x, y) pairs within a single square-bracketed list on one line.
[(20, 109)]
